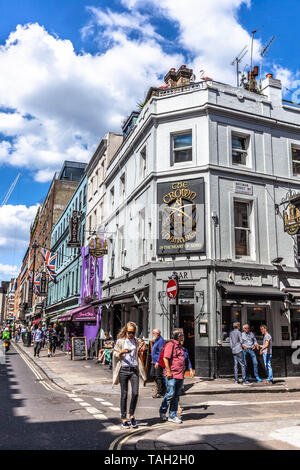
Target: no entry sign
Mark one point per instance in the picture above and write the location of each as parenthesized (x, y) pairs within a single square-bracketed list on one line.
[(172, 289)]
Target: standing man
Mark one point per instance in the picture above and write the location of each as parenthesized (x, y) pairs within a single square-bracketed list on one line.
[(157, 370), (235, 338), (174, 374), (266, 351), (38, 337), (249, 344)]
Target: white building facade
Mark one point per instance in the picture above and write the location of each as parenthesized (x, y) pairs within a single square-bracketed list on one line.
[(193, 190)]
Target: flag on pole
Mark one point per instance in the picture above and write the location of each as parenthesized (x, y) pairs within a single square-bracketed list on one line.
[(37, 283), (49, 260)]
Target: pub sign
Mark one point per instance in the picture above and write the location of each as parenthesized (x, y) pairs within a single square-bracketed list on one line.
[(291, 220), (181, 217), (74, 241)]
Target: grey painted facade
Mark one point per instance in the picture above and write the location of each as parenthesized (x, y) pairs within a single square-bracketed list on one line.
[(214, 114)]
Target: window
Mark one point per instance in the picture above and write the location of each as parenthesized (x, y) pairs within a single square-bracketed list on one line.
[(182, 148), (256, 318), (112, 197), (240, 146), (296, 161), (80, 197), (122, 187), (295, 324), (143, 163), (142, 237), (84, 196), (230, 315), (242, 228), (95, 219)]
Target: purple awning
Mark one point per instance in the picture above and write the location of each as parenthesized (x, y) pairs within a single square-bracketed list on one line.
[(86, 313)]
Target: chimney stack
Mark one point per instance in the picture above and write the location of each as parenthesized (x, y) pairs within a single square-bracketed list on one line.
[(271, 87), (180, 78)]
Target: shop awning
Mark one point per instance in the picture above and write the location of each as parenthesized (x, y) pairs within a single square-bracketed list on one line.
[(123, 298), (259, 293), (36, 321), (293, 291), (83, 313)]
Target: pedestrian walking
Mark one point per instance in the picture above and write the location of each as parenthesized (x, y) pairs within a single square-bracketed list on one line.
[(174, 374), (266, 351), (38, 336), (157, 371), (51, 340), (23, 333), (127, 367), (249, 344), (236, 341)]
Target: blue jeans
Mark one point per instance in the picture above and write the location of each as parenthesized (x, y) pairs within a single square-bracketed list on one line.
[(254, 360), (268, 366), (171, 398), (239, 359)]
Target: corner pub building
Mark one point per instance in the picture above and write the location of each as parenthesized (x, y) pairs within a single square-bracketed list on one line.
[(196, 189)]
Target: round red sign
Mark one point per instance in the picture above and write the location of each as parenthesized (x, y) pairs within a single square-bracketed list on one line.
[(172, 289)]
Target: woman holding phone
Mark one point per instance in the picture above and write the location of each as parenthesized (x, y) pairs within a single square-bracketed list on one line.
[(127, 366)]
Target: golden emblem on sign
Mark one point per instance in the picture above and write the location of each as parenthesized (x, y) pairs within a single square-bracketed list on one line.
[(98, 247), (179, 214), (291, 220)]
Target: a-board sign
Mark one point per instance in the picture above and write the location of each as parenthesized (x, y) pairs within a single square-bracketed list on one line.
[(79, 347)]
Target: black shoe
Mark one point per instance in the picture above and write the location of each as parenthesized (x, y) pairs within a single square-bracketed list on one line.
[(125, 425), (133, 423), (163, 416)]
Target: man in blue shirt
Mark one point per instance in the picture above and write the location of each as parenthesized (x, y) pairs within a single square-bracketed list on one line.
[(157, 370), (249, 344)]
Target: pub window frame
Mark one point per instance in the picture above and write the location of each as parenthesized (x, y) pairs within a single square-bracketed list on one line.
[(254, 242), (246, 140), (188, 147), (296, 148)]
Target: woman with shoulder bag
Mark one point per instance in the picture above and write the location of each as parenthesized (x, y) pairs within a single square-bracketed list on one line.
[(127, 366)]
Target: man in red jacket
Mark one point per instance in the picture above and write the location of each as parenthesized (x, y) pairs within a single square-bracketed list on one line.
[(174, 374)]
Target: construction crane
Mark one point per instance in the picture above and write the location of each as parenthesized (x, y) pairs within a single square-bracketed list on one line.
[(263, 53), (7, 196), (237, 61)]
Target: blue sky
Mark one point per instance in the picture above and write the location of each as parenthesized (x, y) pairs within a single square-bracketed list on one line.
[(71, 70)]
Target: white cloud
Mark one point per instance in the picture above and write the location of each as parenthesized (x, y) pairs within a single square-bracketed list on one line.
[(65, 102), (7, 271), (208, 31), (15, 222)]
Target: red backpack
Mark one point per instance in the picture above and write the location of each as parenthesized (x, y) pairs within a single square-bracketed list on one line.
[(161, 361)]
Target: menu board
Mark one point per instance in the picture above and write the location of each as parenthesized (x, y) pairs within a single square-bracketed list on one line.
[(79, 347)]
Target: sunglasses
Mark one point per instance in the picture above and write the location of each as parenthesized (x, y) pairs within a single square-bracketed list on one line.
[(130, 332)]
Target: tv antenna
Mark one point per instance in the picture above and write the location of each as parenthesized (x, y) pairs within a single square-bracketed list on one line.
[(237, 62), (252, 36), (263, 53)]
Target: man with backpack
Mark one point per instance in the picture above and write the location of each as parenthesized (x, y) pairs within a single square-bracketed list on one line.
[(174, 361), (157, 371)]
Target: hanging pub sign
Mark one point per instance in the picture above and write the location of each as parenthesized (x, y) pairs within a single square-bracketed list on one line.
[(291, 220), (98, 247), (181, 217), (73, 241), (43, 284)]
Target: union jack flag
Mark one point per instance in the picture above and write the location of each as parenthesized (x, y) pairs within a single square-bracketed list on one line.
[(49, 260), (30, 274), (37, 283)]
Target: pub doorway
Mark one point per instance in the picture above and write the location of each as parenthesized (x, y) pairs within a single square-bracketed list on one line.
[(117, 321), (187, 323)]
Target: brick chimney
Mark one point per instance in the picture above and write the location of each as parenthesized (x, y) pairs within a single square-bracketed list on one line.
[(180, 78), (271, 87)]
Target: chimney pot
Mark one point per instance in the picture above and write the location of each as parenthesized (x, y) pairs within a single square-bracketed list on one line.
[(269, 75)]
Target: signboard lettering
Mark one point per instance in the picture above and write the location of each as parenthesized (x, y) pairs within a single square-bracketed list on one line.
[(73, 231), (79, 347), (181, 217)]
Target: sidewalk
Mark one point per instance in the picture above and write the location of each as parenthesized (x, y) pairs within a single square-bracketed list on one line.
[(86, 376)]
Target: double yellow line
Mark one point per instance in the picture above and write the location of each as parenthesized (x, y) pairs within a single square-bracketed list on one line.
[(36, 373), (119, 441)]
